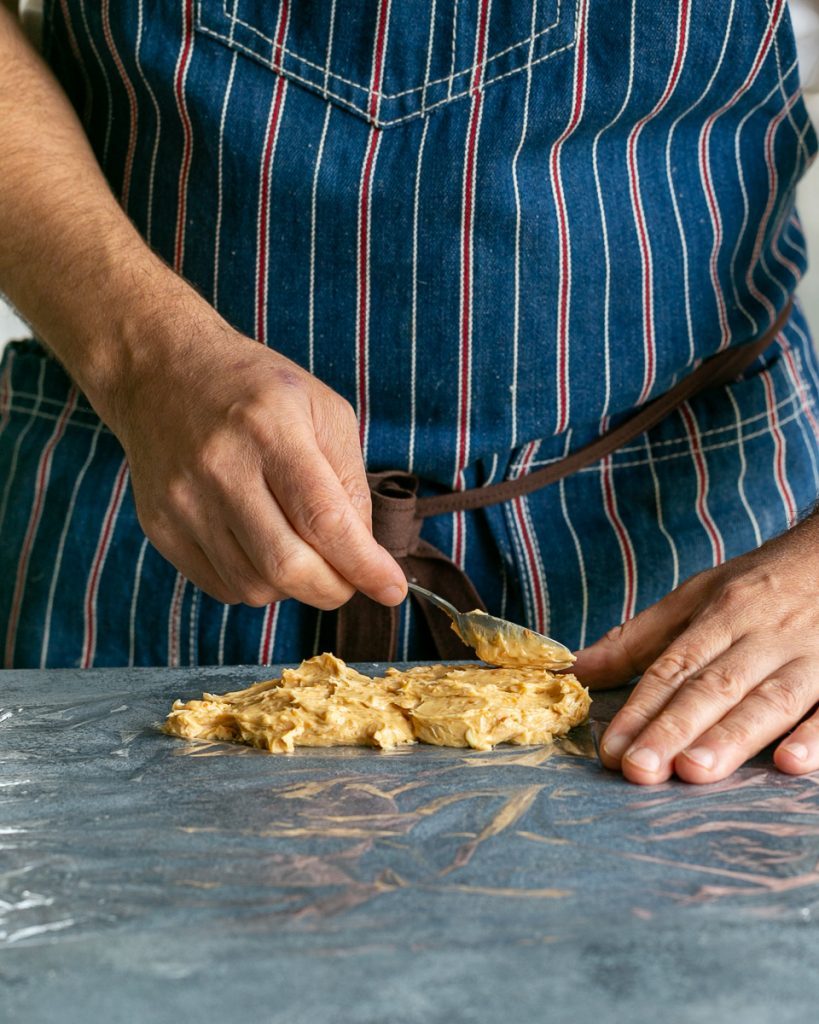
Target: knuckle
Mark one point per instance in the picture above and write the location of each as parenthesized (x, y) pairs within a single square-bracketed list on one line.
[(345, 411), (779, 698), (293, 570), (324, 520), (254, 418), (150, 520), (247, 589), (675, 665), (157, 527), (764, 583), (732, 595), (256, 596), (179, 496), (361, 500), (618, 637), (211, 461), (633, 718), (674, 727), (736, 733), (753, 589), (330, 598), (223, 594), (723, 685), (297, 573)]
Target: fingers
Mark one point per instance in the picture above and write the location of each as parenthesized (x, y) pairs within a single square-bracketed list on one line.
[(190, 559), (266, 481), (278, 558), (799, 752), (320, 511), (643, 740), (627, 650), (339, 441), (769, 710)]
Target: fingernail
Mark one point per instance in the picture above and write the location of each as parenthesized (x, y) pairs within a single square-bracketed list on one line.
[(797, 750), (614, 746), (391, 595), (702, 756), (645, 758)]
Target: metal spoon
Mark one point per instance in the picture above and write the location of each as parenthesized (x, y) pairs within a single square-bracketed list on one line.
[(499, 642)]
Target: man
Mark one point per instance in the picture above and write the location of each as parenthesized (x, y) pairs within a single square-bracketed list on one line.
[(496, 229)]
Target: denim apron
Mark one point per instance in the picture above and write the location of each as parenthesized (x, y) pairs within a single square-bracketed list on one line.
[(495, 226)]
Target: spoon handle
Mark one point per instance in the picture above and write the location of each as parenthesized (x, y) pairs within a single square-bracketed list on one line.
[(445, 606)]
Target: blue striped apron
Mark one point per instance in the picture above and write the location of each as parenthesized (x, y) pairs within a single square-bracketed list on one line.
[(496, 227)]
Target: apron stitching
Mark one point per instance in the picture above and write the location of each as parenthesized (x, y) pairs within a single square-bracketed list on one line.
[(453, 52), (357, 85), (329, 52), (42, 479), (344, 101), (793, 367), (430, 39), (627, 449), (18, 444), (633, 463)]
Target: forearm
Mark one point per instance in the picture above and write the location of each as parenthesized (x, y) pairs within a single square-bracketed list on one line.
[(70, 260)]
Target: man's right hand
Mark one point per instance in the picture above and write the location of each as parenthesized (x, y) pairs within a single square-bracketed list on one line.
[(247, 473)]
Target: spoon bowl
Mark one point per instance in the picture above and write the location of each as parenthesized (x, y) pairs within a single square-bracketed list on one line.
[(499, 642)]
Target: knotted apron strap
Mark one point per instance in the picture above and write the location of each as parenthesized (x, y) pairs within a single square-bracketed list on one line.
[(719, 369), (367, 631)]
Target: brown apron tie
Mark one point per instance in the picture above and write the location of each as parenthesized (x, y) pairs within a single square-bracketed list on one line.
[(367, 631)]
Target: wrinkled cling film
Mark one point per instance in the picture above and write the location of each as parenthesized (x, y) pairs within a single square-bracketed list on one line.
[(109, 828)]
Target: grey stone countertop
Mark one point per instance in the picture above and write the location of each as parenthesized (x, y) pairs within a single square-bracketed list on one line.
[(143, 878)]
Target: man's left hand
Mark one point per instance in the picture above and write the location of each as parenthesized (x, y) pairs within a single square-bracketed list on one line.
[(729, 663)]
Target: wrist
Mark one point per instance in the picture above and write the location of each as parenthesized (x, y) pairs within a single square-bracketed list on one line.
[(133, 337)]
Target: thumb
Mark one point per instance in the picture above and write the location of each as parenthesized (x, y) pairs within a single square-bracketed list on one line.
[(627, 650)]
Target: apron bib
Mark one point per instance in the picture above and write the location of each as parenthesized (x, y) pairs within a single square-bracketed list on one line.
[(496, 227)]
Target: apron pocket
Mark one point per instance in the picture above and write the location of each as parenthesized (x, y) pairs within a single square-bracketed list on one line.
[(390, 61)]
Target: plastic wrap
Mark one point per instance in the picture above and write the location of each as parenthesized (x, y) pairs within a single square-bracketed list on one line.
[(142, 875)]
